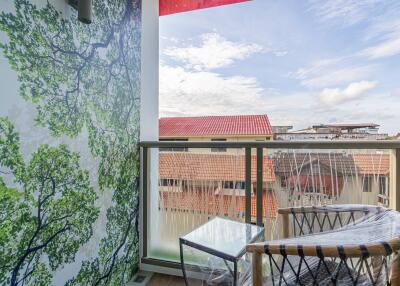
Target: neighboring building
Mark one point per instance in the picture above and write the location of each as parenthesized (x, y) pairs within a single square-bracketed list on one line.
[(362, 131), (212, 181), (326, 178), (215, 128), (212, 184), (281, 128), (374, 170)]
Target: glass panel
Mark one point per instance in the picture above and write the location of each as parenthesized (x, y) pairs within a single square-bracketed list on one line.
[(189, 189), (326, 177)]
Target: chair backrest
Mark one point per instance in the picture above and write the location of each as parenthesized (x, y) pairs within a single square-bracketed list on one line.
[(315, 219)]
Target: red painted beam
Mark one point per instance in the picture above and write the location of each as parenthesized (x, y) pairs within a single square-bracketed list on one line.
[(168, 7)]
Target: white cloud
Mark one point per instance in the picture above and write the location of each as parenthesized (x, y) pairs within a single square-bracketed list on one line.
[(192, 88), (352, 91), (381, 17), (214, 52), (345, 12), (184, 92), (332, 72), (387, 48), (387, 31), (191, 93)]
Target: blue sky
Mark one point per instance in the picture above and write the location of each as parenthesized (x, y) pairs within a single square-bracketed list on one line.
[(301, 62)]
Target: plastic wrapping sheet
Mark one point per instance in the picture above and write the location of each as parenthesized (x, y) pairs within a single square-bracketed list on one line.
[(213, 270), (376, 233), (218, 247)]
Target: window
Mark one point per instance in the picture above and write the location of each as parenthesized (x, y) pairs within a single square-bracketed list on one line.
[(218, 149), (284, 183), (234, 185), (168, 182), (174, 149), (382, 185), (367, 182)]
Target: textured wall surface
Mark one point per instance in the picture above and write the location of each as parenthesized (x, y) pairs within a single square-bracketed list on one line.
[(69, 132)]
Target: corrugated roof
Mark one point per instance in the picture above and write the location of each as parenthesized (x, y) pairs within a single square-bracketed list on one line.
[(345, 164), (215, 126), (288, 163)]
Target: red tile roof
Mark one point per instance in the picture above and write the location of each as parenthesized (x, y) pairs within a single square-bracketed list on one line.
[(215, 126), (210, 167), (372, 164), (207, 202)]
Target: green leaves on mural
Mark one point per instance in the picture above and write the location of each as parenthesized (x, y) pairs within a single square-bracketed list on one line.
[(47, 217), (86, 78)]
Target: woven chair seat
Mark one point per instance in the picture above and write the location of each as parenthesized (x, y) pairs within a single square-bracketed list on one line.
[(362, 251)]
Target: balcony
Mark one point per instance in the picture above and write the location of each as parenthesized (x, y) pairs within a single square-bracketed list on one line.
[(250, 181)]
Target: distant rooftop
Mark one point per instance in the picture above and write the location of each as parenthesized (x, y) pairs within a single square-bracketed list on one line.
[(238, 125), (347, 125)]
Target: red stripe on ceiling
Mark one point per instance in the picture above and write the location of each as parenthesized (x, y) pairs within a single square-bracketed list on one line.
[(168, 7)]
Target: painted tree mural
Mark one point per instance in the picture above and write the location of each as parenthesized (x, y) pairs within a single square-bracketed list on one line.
[(49, 217), (81, 79)]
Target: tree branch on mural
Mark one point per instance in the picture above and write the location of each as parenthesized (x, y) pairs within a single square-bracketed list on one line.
[(85, 78), (46, 217)]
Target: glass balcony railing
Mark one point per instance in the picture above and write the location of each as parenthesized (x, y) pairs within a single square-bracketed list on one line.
[(187, 183)]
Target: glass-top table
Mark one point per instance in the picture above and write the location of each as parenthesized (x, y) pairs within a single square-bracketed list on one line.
[(223, 238)]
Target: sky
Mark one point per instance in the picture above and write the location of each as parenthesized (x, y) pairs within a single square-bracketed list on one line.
[(300, 62)]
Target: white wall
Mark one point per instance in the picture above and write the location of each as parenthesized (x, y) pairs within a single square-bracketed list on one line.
[(149, 99), (149, 83)]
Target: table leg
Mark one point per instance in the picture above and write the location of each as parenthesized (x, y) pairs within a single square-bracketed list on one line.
[(182, 263), (235, 274), (227, 266)]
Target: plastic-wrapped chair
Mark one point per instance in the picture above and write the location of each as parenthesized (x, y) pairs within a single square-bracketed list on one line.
[(331, 245)]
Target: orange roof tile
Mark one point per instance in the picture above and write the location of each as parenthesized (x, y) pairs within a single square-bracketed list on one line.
[(372, 164), (215, 126), (207, 202), (210, 167)]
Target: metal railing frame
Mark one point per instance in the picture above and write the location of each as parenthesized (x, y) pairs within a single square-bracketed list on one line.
[(145, 147)]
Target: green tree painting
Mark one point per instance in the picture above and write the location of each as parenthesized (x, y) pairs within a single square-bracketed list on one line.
[(47, 218), (86, 79)]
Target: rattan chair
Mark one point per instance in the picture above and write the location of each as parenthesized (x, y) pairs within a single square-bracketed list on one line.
[(332, 245)]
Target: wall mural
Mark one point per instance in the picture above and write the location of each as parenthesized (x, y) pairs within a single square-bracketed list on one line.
[(69, 216)]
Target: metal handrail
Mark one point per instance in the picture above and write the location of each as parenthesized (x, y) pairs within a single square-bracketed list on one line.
[(381, 144)]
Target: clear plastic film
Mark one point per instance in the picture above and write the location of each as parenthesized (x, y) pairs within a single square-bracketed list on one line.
[(215, 252), (336, 245), (213, 270)]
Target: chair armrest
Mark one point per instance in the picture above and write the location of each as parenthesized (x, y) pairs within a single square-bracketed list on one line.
[(331, 209), (333, 250)]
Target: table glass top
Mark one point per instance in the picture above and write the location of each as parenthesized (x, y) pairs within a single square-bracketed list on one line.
[(223, 235)]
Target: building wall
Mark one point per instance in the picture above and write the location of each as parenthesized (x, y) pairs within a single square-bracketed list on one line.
[(228, 139), (69, 132), (328, 136), (352, 194)]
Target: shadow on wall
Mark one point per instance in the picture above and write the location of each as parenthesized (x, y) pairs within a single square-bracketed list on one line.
[(81, 81)]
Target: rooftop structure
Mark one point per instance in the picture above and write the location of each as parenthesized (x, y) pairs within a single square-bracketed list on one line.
[(339, 131)]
